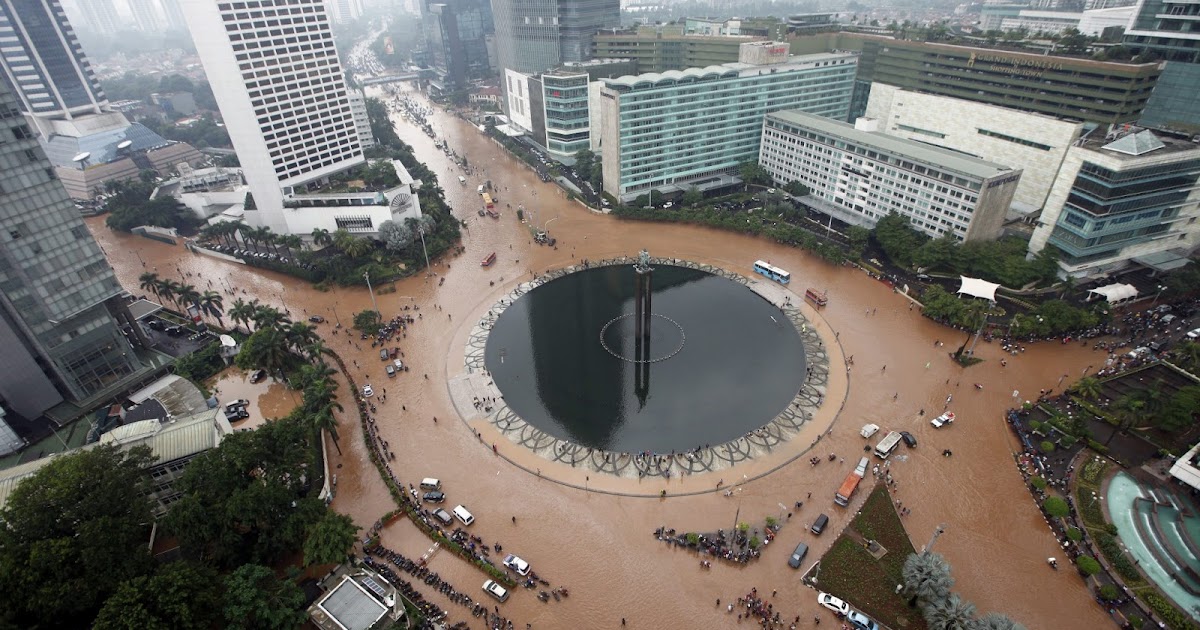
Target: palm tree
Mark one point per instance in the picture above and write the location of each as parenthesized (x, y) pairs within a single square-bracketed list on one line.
[(268, 237), (342, 239), (270, 351), (249, 236), (267, 316), (316, 351), (358, 248), (291, 242), (242, 312), (950, 613), (1128, 410), (167, 290), (996, 621), (313, 373), (301, 335), (926, 578), (1089, 387), (1187, 356), (188, 295), (320, 236), (149, 282), (211, 304), (324, 420)]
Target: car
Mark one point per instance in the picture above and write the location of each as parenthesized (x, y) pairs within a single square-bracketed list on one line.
[(669, 204), (237, 404), (390, 369), (434, 496), (368, 391), (832, 603), (399, 364), (495, 590), (383, 354), (908, 439), (257, 375), (443, 516), (516, 564), (317, 319), (770, 191), (859, 621), (819, 525), (923, 277), (1194, 334), (798, 556), (942, 420)]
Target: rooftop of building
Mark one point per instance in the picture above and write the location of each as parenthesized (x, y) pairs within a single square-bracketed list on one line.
[(100, 144), (350, 606), (671, 31), (168, 442), (649, 79), (944, 159), (1135, 144)]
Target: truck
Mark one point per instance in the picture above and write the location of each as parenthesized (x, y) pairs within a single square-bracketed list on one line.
[(850, 485), (887, 445)]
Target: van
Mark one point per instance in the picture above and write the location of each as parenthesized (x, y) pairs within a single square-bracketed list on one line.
[(798, 556), (480, 189), (429, 483), (818, 525), (861, 469), (887, 445), (443, 516), (463, 515)]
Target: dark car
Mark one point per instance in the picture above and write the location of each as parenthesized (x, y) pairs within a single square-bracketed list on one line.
[(798, 556), (908, 439), (317, 319), (819, 525), (434, 496), (258, 375)]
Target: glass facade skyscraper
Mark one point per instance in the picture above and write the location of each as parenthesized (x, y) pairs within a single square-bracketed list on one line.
[(44, 63), (59, 340), (1170, 30), (533, 36), (456, 33)]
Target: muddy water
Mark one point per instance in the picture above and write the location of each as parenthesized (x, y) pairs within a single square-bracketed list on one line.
[(600, 545), (268, 398)]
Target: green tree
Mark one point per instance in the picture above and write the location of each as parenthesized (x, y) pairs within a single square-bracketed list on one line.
[(73, 531), (1128, 411), (753, 173), (1187, 356), (330, 539), (242, 312), (395, 237), (1056, 507), (257, 600), (181, 596), (996, 621), (797, 189), (1088, 387), (936, 253), (148, 282), (1087, 565), (950, 613), (267, 348), (367, 321), (268, 316), (301, 335), (1046, 446), (898, 239), (585, 161), (211, 304), (692, 197), (320, 236), (926, 578)]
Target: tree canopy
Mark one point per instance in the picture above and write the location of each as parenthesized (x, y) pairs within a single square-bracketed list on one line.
[(330, 539), (181, 596), (257, 600), (78, 526)]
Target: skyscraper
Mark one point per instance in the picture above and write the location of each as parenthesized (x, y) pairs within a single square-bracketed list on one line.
[(1167, 29), (98, 15), (456, 32), (174, 15), (342, 11), (282, 94), (533, 36), (59, 338), (44, 63), (145, 15)]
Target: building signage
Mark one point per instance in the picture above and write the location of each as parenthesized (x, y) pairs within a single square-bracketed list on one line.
[(1018, 66), (1000, 182), (781, 49)]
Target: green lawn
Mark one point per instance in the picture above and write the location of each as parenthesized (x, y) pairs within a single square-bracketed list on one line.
[(869, 585)]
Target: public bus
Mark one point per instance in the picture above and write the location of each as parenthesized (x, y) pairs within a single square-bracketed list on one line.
[(487, 200), (774, 273), (491, 258), (887, 445), (844, 493), (820, 299)]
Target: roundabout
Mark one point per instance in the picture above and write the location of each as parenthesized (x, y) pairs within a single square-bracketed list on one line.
[(639, 412)]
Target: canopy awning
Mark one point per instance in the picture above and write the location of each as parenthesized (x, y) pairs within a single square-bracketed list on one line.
[(975, 287), (1116, 292), (1163, 261)]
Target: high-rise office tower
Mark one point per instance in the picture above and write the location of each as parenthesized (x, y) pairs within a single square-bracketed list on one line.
[(43, 62), (98, 15), (533, 36), (146, 16), (282, 94), (59, 338), (343, 11), (173, 15), (456, 32), (1170, 30)]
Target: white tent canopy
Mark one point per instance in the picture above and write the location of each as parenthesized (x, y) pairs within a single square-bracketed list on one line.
[(975, 287), (1116, 292)]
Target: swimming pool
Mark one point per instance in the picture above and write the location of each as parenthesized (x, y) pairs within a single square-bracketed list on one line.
[(1162, 539)]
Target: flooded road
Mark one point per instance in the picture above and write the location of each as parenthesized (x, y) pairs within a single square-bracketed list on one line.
[(600, 545)]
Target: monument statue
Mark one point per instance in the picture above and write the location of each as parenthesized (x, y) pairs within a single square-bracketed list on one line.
[(643, 262)]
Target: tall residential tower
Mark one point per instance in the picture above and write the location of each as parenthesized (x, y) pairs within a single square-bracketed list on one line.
[(44, 63), (535, 35)]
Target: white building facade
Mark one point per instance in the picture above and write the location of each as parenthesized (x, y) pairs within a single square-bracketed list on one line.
[(1033, 142), (859, 176), (1120, 200), (283, 97), (362, 122)]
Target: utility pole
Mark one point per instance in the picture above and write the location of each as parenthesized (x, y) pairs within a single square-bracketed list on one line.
[(421, 231), (941, 529), (367, 275)]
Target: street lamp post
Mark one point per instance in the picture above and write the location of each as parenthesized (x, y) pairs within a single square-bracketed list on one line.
[(1161, 288), (367, 275), (1012, 323), (421, 231), (941, 529)]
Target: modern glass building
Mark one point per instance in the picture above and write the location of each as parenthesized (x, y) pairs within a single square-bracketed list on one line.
[(667, 47), (456, 32), (533, 36), (1170, 30), (1123, 199), (43, 61), (859, 175), (60, 342), (674, 130)]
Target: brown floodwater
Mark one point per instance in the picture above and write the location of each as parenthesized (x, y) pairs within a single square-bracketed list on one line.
[(600, 544), (269, 398)]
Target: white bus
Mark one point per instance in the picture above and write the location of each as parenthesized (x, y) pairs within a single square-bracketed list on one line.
[(887, 445), (774, 273)]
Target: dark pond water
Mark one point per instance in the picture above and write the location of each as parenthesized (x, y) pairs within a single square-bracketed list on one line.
[(724, 361)]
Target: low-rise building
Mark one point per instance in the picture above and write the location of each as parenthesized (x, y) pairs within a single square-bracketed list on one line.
[(671, 131), (1035, 143), (667, 47), (552, 107), (859, 175), (1120, 199)]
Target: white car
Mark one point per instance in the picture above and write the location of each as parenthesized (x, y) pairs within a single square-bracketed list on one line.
[(942, 420), (495, 590), (1194, 334), (770, 191), (399, 364), (368, 391), (669, 204), (516, 564), (832, 603)]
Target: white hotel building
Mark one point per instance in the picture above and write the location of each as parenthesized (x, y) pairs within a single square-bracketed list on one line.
[(276, 76), (859, 176)]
